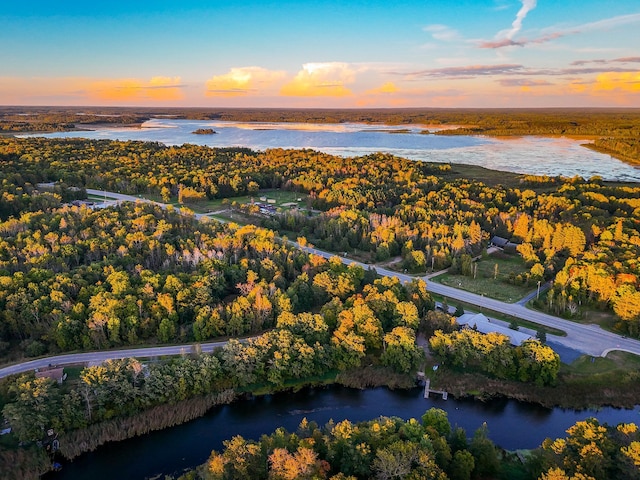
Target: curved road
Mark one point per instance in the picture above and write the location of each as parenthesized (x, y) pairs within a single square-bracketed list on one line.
[(101, 356), (589, 339)]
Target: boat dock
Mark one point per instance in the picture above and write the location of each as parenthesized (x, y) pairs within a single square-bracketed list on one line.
[(428, 390)]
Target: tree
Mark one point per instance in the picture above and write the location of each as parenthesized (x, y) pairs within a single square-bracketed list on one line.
[(394, 461), (626, 304), (301, 465), (165, 194), (462, 465), (401, 352), (541, 335), (437, 419), (537, 363), (485, 454), (521, 227), (35, 408)]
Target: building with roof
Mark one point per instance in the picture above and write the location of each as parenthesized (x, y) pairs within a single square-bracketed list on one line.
[(54, 373), (503, 244), (484, 325)]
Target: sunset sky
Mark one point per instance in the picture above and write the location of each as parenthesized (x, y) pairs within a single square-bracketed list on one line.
[(432, 53)]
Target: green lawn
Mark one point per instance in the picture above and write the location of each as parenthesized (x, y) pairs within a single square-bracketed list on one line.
[(588, 315), (615, 361), (280, 196), (485, 283)]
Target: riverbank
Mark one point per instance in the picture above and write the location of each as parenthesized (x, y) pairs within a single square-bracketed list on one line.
[(31, 463), (459, 385), (614, 153), (574, 389)]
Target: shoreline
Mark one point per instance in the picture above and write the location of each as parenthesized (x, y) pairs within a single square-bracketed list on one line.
[(464, 385)]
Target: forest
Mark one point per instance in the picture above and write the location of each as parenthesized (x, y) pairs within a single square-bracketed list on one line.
[(582, 234)]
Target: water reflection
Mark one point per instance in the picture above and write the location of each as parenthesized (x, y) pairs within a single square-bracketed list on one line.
[(532, 155), (511, 424)]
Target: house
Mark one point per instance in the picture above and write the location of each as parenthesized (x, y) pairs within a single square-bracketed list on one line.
[(503, 244), (54, 373), (484, 325)]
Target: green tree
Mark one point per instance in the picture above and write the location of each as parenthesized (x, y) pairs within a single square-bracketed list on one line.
[(401, 352), (35, 409)]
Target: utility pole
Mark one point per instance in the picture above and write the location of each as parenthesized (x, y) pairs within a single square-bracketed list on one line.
[(538, 294)]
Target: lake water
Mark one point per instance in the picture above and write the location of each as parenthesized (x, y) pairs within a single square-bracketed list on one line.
[(533, 155), (511, 424)]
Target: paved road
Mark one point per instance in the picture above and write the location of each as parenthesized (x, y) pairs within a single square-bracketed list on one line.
[(543, 288), (590, 339), (99, 357)]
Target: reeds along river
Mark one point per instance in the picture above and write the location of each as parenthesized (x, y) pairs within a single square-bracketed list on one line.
[(531, 155), (512, 425)]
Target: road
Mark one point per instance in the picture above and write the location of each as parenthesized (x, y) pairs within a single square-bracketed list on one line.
[(589, 339), (99, 357)]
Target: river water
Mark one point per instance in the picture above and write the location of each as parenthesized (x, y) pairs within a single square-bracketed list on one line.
[(511, 424), (532, 155)]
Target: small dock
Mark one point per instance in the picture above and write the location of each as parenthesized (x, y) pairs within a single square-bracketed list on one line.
[(428, 390)]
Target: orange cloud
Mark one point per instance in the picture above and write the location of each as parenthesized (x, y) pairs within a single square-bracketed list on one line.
[(386, 89), (578, 86), (321, 80), (242, 81), (72, 90), (158, 89), (622, 81)]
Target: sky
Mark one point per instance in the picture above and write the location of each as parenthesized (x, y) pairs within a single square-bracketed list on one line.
[(323, 53)]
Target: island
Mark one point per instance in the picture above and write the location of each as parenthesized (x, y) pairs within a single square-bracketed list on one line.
[(204, 131)]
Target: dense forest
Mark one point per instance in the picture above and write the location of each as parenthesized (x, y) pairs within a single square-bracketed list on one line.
[(580, 233), (614, 131), (76, 278)]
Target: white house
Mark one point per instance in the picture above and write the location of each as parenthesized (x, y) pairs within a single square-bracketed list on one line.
[(484, 325)]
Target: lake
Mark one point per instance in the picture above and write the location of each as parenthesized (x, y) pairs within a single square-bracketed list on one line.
[(511, 424), (532, 155)]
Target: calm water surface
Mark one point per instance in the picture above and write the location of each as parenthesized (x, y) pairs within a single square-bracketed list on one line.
[(534, 155), (511, 425)]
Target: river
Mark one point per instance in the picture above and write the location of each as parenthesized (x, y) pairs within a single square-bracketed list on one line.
[(530, 154), (511, 424)]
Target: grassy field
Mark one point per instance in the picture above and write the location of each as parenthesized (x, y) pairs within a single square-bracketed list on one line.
[(485, 283), (614, 378), (606, 319), (616, 362), (281, 197)]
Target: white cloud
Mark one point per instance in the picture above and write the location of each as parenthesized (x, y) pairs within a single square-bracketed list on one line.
[(242, 81), (442, 32)]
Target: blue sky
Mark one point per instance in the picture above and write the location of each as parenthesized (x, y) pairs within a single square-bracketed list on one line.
[(324, 53)]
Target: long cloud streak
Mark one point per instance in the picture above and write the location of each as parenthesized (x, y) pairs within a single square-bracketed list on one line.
[(585, 27)]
